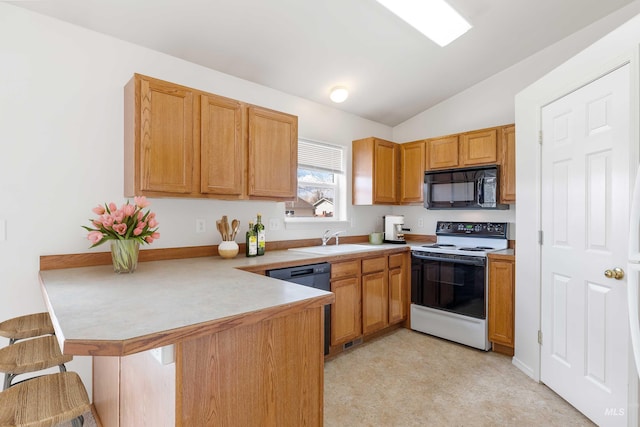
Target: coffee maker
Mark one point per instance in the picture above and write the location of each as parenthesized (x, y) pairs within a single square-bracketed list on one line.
[(393, 230)]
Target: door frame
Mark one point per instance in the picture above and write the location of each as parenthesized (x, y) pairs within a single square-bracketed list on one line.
[(572, 75)]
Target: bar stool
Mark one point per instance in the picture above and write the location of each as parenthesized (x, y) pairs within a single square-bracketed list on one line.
[(45, 401), (27, 326), (30, 356)]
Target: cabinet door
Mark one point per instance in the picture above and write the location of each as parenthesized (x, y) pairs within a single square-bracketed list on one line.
[(412, 167), (385, 171), (477, 148), (501, 302), (345, 311), (508, 169), (273, 154), (222, 146), (442, 152), (164, 132), (397, 297), (375, 300)]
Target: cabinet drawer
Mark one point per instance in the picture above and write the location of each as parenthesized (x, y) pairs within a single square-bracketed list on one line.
[(371, 265), (395, 260), (345, 269)]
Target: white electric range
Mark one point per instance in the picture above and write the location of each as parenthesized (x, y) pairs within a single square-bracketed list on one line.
[(449, 281)]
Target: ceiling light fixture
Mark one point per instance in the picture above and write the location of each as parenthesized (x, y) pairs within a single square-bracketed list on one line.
[(339, 94), (436, 19)]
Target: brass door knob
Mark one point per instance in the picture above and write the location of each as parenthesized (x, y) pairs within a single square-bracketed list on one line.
[(617, 273)]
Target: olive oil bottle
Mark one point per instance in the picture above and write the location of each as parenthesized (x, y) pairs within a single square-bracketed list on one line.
[(262, 241), (251, 241)]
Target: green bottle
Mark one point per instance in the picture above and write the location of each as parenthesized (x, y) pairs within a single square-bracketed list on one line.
[(259, 229), (252, 241)]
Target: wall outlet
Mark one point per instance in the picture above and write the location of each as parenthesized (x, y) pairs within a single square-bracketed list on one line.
[(201, 225), (420, 222), (274, 223)]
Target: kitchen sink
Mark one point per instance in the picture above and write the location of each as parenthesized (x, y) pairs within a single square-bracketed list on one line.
[(335, 249)]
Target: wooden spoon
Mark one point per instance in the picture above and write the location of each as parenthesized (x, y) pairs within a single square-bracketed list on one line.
[(235, 225)]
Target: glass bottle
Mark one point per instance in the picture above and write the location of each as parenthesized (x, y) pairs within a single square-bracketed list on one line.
[(251, 241), (259, 229)]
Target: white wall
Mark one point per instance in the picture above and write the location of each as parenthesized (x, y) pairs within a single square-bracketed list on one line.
[(61, 132), (611, 51), (491, 103)]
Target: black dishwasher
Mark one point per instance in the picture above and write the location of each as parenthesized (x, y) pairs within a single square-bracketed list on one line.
[(314, 276)]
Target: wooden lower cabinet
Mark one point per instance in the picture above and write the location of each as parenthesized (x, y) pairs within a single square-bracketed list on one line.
[(371, 294), (502, 303), (398, 288), (269, 373), (375, 302), (346, 322)]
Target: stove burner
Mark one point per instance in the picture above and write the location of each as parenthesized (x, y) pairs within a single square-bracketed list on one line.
[(439, 245)]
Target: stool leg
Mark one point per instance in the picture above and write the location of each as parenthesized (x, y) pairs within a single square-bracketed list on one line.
[(77, 422), (7, 380)]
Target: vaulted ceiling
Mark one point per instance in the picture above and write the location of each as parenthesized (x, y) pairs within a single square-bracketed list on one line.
[(305, 47)]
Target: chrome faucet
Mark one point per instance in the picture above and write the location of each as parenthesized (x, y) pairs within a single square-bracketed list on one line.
[(326, 237)]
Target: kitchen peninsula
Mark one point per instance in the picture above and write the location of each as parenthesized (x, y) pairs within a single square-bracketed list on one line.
[(194, 341)]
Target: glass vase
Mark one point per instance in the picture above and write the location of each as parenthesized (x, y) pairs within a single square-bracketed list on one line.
[(124, 254)]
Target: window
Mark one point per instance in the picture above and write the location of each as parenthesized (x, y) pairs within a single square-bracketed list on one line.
[(321, 182)]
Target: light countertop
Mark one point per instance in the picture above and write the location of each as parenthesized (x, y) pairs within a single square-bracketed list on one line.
[(98, 312)]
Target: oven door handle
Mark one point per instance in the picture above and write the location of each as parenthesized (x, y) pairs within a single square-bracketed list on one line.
[(479, 261)]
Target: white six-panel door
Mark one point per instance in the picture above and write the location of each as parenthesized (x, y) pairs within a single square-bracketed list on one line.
[(585, 211)]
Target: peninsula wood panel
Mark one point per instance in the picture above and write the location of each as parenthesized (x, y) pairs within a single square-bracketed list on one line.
[(147, 391), (266, 374), (273, 154)]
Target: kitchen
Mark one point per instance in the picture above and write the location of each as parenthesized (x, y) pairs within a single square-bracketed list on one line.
[(71, 73)]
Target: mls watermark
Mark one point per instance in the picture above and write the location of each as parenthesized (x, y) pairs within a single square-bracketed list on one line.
[(614, 412)]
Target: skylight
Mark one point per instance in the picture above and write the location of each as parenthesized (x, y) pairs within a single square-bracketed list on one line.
[(436, 19)]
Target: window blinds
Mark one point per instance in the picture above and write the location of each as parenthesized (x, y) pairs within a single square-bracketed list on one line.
[(314, 155)]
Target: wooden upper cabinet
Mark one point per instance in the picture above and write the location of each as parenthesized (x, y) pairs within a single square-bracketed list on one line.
[(479, 147), (443, 152), (159, 138), (374, 172), (222, 146), (273, 154), (385, 183), (412, 167), (182, 142), (508, 167)]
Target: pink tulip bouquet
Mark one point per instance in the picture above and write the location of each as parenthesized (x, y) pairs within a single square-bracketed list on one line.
[(128, 222)]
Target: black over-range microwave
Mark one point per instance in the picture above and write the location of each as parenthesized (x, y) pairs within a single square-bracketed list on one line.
[(463, 188)]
